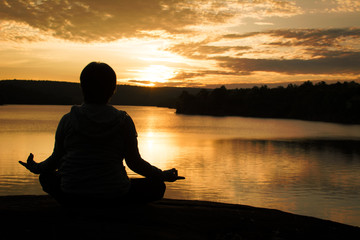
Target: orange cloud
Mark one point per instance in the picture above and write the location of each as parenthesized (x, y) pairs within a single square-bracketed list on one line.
[(346, 64), (345, 6), (109, 20), (323, 51)]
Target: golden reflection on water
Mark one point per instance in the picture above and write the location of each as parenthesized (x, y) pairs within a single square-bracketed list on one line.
[(284, 175), (290, 165)]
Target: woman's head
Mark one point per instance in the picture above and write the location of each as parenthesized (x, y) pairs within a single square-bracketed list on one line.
[(98, 82)]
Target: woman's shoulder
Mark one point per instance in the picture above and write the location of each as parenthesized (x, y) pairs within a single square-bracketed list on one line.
[(120, 113)]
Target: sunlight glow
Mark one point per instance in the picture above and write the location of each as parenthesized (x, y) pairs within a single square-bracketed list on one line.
[(156, 73)]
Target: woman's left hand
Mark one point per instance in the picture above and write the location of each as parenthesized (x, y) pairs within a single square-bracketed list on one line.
[(171, 175)]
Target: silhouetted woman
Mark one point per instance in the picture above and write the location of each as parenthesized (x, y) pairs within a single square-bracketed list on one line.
[(91, 142)]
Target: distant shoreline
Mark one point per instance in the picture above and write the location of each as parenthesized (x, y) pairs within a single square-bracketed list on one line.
[(67, 93), (336, 103), (194, 114)]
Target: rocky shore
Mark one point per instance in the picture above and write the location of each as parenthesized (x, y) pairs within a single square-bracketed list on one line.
[(40, 217)]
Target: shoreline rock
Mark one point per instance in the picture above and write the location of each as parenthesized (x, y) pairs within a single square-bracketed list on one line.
[(42, 217)]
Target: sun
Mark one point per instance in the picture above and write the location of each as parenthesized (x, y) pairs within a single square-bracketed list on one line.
[(156, 74)]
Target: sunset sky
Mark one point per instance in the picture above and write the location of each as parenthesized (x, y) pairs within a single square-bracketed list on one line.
[(196, 43)]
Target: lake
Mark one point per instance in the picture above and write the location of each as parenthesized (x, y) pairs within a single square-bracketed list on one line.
[(303, 167)]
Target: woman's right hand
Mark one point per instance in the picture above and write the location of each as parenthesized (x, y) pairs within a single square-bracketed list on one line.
[(30, 164)]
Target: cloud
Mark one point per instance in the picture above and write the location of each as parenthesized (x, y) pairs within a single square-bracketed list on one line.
[(201, 73), (240, 36), (346, 64), (314, 37), (264, 8), (318, 42), (210, 52), (108, 20), (344, 6), (286, 51), (264, 23), (328, 41), (19, 32), (140, 82), (303, 37), (202, 49)]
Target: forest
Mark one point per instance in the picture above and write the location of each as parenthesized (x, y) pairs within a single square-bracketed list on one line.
[(338, 102), (66, 93)]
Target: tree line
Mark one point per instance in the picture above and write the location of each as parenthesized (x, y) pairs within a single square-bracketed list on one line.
[(66, 93), (338, 102)]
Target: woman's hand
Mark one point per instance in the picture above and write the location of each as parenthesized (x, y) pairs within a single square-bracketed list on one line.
[(171, 175), (31, 165)]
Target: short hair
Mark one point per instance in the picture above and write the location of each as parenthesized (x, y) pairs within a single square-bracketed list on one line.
[(98, 82)]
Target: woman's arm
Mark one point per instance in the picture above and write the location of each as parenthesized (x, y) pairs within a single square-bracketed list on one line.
[(142, 167), (139, 165), (52, 162)]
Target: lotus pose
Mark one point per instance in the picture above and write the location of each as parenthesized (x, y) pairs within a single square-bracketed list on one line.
[(91, 142)]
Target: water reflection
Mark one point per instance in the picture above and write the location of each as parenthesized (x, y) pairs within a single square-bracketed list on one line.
[(298, 176), (303, 167), (310, 177)]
